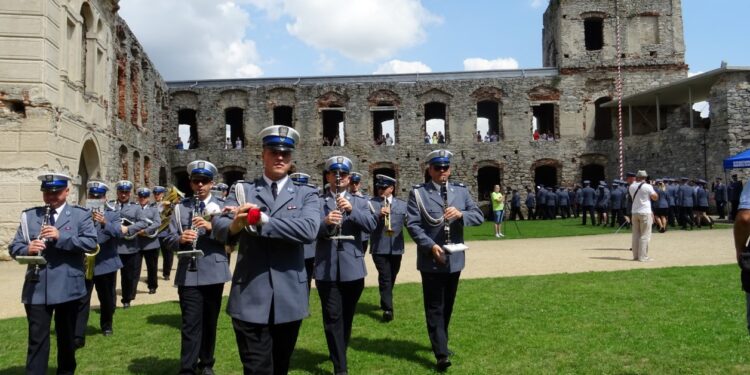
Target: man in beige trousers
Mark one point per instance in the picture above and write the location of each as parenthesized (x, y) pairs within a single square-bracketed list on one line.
[(641, 191)]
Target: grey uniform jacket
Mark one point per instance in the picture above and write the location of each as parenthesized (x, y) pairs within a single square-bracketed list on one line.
[(151, 213), (108, 261), (541, 197), (270, 262), (62, 279), (588, 194), (602, 198), (309, 247), (615, 198), (686, 196), (380, 242), (213, 266), (366, 236), (132, 212), (552, 198), (701, 197), (672, 195), (720, 193), (343, 260), (426, 234), (562, 198)]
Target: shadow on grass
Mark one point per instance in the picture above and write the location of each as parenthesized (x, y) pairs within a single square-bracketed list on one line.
[(154, 365), (397, 349), (169, 320), (305, 360), (15, 370), (370, 310)]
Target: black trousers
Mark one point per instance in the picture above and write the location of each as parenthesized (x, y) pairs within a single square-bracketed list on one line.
[(39, 318), (105, 290), (721, 209), (589, 210), (515, 212), (168, 255), (439, 293), (130, 274), (388, 267), (152, 267), (530, 212), (551, 212), (735, 208), (671, 216), (309, 265), (616, 217), (686, 217), (338, 300), (200, 307), (266, 348)]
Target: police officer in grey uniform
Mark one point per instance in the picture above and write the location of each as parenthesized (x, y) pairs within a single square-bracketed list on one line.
[(339, 257), (430, 205), (588, 195), (57, 287), (221, 190), (541, 202), (304, 180), (602, 203), (720, 196), (200, 289), (563, 203), (530, 204), (106, 263), (615, 203), (387, 242), (686, 198), (127, 246), (272, 221), (148, 240), (355, 188)]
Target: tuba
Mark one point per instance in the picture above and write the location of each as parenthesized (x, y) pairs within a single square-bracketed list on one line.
[(171, 199)]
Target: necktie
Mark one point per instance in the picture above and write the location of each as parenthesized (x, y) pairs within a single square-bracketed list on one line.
[(52, 217), (274, 190)]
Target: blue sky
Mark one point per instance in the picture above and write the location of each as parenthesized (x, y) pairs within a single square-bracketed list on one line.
[(204, 39)]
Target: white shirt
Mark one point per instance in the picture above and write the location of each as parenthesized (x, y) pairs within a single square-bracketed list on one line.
[(642, 200), (279, 183), (745, 197)]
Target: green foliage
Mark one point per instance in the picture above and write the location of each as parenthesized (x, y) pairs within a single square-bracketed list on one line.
[(659, 321)]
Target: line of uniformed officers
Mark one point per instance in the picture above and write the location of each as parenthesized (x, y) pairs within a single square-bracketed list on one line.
[(286, 232)]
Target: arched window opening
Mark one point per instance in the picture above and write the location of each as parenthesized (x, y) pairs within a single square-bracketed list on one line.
[(593, 173), (384, 125), (593, 29), (235, 131), (488, 121), (545, 175), (231, 177), (123, 162), (136, 168), (436, 124), (146, 171), (602, 119), (87, 47), (283, 115), (188, 128), (544, 122), (162, 176), (487, 178), (333, 127)]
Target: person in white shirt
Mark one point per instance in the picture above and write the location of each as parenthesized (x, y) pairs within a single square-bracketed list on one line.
[(640, 192)]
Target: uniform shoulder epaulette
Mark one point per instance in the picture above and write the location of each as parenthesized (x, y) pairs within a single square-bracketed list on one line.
[(222, 200), (417, 186), (458, 184), (79, 207)]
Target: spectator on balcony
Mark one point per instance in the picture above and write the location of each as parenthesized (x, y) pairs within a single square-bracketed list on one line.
[(487, 138), (544, 136), (238, 143), (434, 138), (479, 136), (228, 144), (493, 137), (336, 141), (379, 140), (388, 139), (179, 146), (550, 136), (535, 135), (427, 138), (441, 137)]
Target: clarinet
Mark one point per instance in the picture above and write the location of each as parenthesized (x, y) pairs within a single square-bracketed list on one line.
[(193, 265), (337, 232), (34, 277), (445, 221)]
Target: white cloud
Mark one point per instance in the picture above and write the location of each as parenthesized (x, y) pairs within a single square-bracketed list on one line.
[(538, 3), (398, 66), (476, 63), (196, 39), (363, 30), (325, 63)]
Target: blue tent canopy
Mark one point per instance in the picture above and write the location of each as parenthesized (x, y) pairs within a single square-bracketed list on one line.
[(741, 160)]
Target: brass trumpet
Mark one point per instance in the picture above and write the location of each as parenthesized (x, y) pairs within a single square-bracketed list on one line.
[(387, 218)]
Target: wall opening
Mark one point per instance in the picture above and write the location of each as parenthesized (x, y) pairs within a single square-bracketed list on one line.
[(231, 177), (283, 115), (593, 29), (487, 178), (87, 71), (545, 175), (333, 127), (146, 171), (390, 172), (488, 121), (384, 126), (188, 128), (123, 162), (602, 119), (544, 121), (162, 176), (182, 181), (14, 106), (234, 119), (136, 168), (436, 124), (593, 173), (88, 167)]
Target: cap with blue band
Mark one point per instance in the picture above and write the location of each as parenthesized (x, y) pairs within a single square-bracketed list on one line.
[(53, 181)]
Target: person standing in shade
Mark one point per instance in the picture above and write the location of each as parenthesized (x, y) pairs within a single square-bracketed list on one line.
[(720, 196), (530, 204), (199, 289), (686, 198), (440, 269), (57, 287), (303, 179), (272, 221), (387, 241), (515, 206), (339, 262), (127, 246), (588, 195), (148, 241), (106, 263), (741, 236), (498, 208), (615, 204), (701, 205), (641, 194)]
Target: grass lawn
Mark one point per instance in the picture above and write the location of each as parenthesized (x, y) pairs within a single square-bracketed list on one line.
[(663, 321)]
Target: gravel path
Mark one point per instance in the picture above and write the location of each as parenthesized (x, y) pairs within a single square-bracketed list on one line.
[(499, 258)]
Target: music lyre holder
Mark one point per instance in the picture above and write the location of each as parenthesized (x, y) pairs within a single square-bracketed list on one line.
[(337, 232), (449, 246), (193, 253)]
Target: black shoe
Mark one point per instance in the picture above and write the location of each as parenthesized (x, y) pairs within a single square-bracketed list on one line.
[(207, 371), (152, 291), (79, 342), (443, 363), (107, 332), (387, 315), (166, 277)]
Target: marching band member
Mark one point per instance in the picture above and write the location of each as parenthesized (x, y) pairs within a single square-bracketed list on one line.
[(199, 289), (60, 234), (107, 262), (148, 240), (434, 208), (304, 179), (387, 240), (127, 247), (273, 219), (339, 257)]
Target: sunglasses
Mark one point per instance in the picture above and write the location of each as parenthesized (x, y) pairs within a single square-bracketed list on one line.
[(203, 181), (441, 167)]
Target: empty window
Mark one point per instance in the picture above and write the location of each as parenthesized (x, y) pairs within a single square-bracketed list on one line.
[(436, 126), (487, 178), (162, 176), (182, 182), (602, 120), (283, 115), (544, 126), (333, 127), (488, 122), (594, 33), (234, 127), (545, 175), (123, 162), (136, 168), (384, 125), (188, 129), (230, 177), (87, 71)]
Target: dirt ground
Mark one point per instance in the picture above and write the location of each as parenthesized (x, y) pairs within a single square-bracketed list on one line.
[(499, 258)]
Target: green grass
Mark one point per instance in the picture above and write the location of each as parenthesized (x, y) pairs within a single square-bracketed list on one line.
[(541, 229), (687, 320)]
